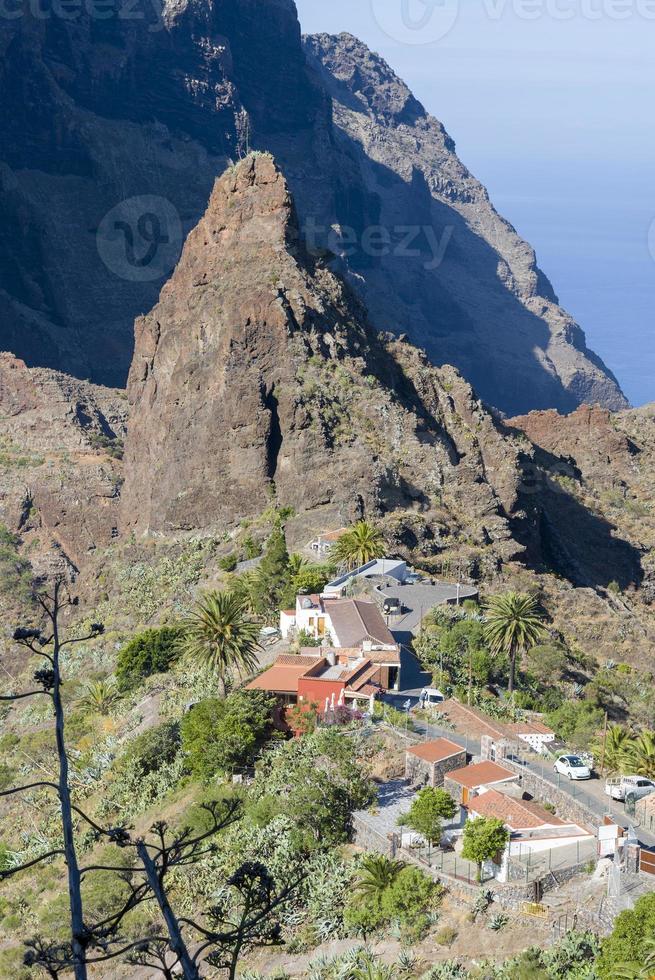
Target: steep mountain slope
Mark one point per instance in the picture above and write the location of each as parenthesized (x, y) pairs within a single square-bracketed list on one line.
[(256, 377), (471, 294), (60, 468), (112, 132)]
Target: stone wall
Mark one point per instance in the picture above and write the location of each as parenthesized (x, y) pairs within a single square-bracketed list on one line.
[(366, 837), (417, 770)]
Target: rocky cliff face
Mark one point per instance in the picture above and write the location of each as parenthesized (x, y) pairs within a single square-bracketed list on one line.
[(257, 377), (113, 131), (60, 469), (471, 293)]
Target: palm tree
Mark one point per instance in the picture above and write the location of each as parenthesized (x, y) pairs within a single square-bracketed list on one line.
[(360, 544), (377, 872), (219, 634), (513, 625), (618, 746), (100, 697), (641, 756), (297, 565)]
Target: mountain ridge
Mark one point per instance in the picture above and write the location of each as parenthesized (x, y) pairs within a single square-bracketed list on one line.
[(203, 84)]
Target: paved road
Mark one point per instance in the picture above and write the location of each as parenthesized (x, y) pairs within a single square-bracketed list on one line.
[(591, 792)]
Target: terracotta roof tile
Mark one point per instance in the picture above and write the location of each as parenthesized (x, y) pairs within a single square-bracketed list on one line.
[(516, 814), (481, 774), (437, 751)]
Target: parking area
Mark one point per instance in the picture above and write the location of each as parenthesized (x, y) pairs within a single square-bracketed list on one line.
[(417, 599)]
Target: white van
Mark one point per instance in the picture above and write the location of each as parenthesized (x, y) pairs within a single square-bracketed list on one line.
[(620, 787), (431, 696)]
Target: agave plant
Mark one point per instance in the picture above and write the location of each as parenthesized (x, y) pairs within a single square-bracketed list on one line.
[(498, 922), (100, 697)]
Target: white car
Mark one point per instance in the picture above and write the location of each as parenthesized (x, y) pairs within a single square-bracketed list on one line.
[(573, 767)]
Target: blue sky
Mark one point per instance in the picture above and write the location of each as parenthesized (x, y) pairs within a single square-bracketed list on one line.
[(550, 103)]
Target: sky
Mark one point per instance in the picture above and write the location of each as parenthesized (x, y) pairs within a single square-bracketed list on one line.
[(551, 105)]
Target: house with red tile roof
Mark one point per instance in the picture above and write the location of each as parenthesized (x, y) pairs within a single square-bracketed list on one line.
[(532, 828), (474, 780), (346, 624), (430, 762), (322, 681)]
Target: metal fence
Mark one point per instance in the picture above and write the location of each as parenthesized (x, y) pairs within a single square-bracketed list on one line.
[(531, 866), (448, 863)]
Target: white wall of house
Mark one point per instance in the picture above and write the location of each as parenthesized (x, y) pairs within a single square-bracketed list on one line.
[(537, 742)]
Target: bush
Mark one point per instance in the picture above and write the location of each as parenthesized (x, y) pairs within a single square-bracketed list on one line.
[(6, 776), (446, 936), (152, 652), (152, 751), (577, 722), (223, 736), (627, 942), (408, 899)]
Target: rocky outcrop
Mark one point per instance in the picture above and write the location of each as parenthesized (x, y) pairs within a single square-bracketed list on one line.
[(60, 448), (257, 378), (112, 132)]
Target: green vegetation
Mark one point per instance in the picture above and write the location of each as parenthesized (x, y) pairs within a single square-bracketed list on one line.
[(513, 625), (631, 941), (429, 807), (224, 736), (389, 891), (219, 633), (577, 723), (360, 544), (152, 652), (100, 697), (15, 571), (485, 839)]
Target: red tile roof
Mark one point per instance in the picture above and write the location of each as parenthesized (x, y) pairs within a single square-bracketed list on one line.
[(437, 751), (516, 814), (283, 676), (481, 774), (529, 728)]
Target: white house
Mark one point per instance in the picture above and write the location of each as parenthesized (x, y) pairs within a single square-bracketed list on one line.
[(536, 735), (349, 624), (532, 828)]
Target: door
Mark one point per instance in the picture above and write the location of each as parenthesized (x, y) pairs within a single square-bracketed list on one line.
[(466, 796), (321, 625)]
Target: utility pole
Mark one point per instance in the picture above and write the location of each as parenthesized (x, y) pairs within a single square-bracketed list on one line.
[(602, 757)]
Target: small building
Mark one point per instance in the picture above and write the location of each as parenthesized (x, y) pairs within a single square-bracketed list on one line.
[(321, 682), (324, 542), (430, 762), (385, 568), (536, 735), (532, 828), (347, 624), (477, 779)]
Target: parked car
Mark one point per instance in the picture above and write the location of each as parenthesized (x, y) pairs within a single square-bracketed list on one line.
[(431, 696), (573, 767), (635, 787)]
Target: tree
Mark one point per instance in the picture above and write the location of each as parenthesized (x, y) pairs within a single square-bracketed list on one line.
[(484, 839), (577, 722), (631, 939), (219, 633), (408, 897), (223, 736), (429, 807), (513, 625), (634, 970), (47, 645), (272, 578), (98, 939), (360, 544), (641, 755), (376, 873), (618, 745), (152, 652), (547, 662)]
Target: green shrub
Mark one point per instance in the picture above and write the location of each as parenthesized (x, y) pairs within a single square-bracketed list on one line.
[(152, 751), (6, 776), (228, 563), (152, 652), (446, 936), (628, 940), (223, 736)]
